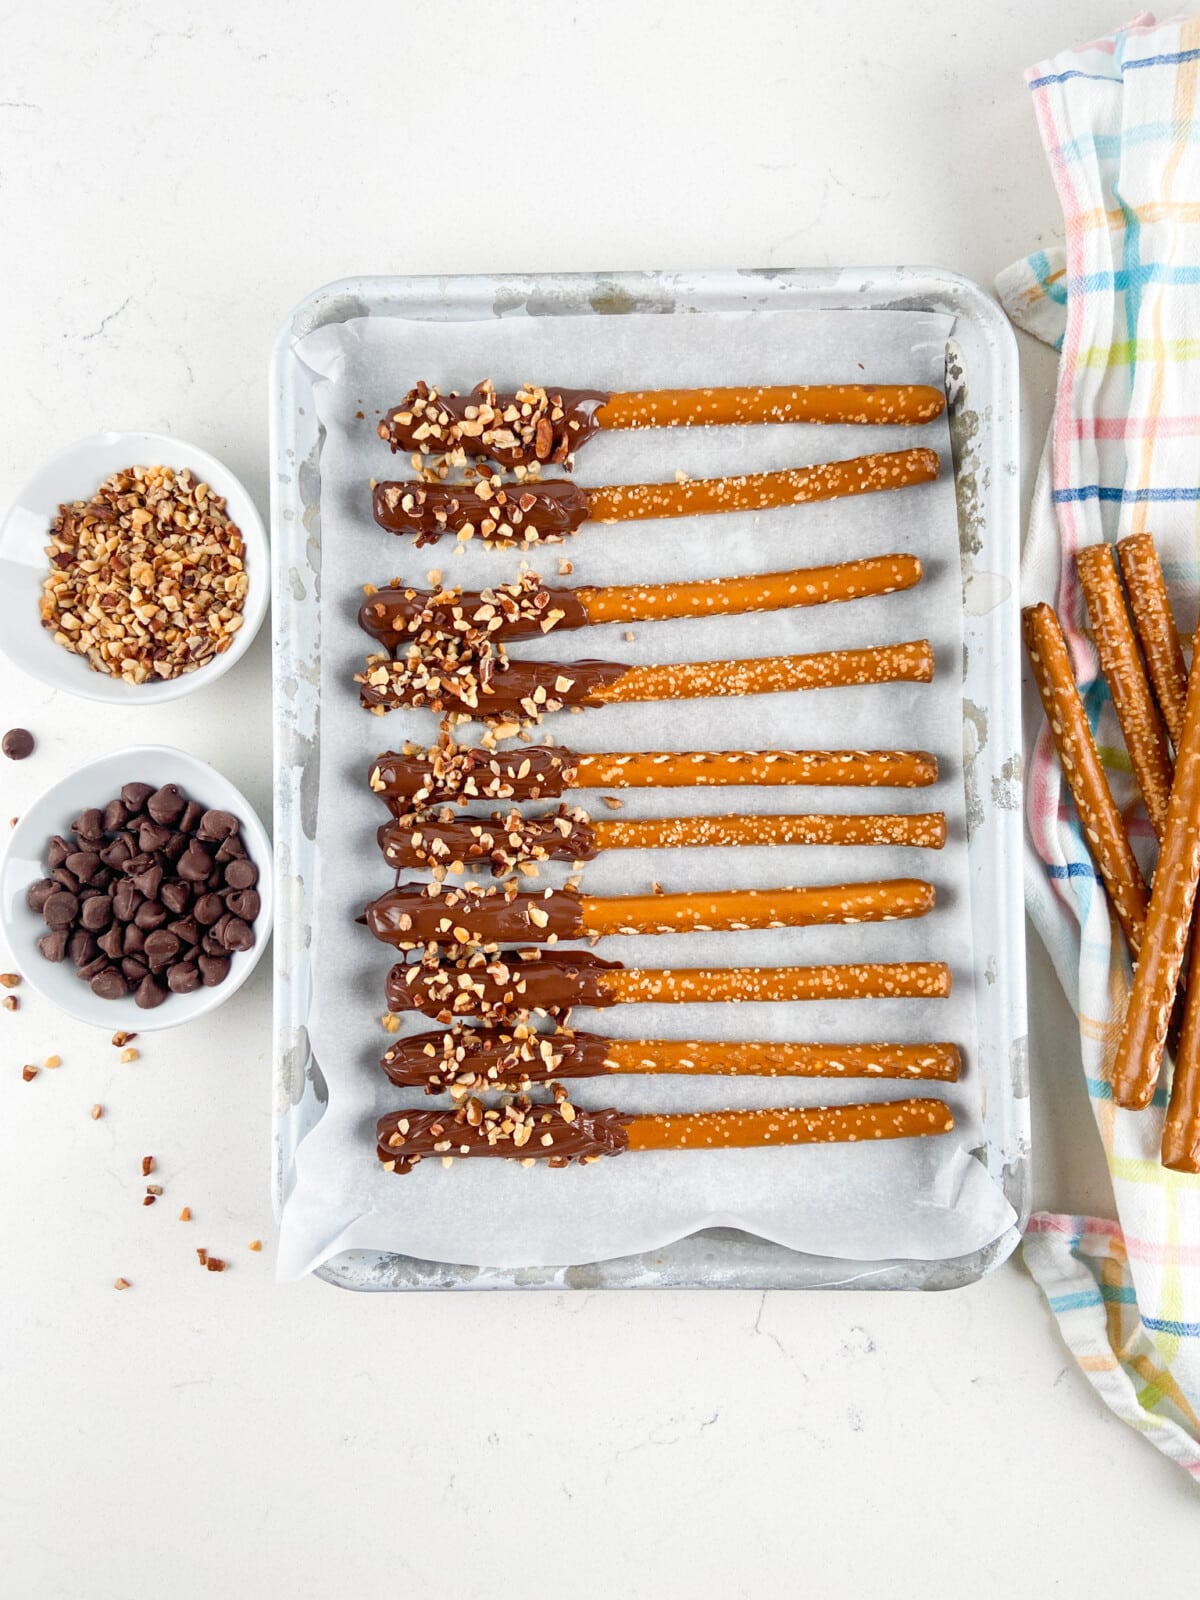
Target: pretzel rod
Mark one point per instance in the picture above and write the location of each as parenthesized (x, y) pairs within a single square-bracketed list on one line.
[(555, 981), (533, 424), (1103, 826), (560, 1133), (1121, 663), (530, 689), (415, 915), (417, 776), (1154, 620), (1168, 921), (528, 608), (506, 841), (532, 512), (498, 1058)]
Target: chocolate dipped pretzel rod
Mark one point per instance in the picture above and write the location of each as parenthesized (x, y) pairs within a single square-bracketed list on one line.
[(1121, 662), (1168, 922), (529, 608), (1103, 826), (416, 776), (430, 840), (514, 1058), (531, 513), (555, 981), (533, 424), (1156, 630), (416, 915), (529, 689), (561, 1133)]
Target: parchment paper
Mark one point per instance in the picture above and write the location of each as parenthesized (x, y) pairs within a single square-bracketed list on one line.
[(922, 1199)]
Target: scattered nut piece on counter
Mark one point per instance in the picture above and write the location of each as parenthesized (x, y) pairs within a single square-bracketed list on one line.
[(29, 1073), (147, 579), (129, 1055), (17, 744), (97, 1112), (122, 1283), (186, 1214), (121, 1038), (255, 1244), (10, 1003), (10, 980), (52, 1062), (147, 1166)]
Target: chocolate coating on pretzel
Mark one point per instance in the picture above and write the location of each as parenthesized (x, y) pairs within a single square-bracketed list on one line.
[(410, 916), (502, 840), (520, 1131), (527, 425), (526, 608), (502, 984), (501, 515), (415, 776), (489, 1058)]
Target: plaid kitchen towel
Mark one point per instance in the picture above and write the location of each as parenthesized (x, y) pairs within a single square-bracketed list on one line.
[(1119, 122)]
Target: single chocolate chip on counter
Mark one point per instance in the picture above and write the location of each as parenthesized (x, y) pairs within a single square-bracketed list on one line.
[(54, 945), (60, 910), (135, 796), (110, 985), (213, 970), (17, 744), (184, 978), (241, 875), (149, 993), (166, 805)]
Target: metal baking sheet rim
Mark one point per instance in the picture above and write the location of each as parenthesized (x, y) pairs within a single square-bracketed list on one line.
[(981, 383)]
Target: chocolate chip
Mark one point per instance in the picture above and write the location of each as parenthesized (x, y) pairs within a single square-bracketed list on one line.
[(190, 819), (217, 825), (54, 945), (110, 985), (134, 968), (166, 805), (184, 978), (116, 815), (176, 897), (232, 849), (81, 947), (38, 893), (149, 882), (97, 913), (110, 942), (116, 854), (135, 796), (161, 946), (134, 940), (241, 875), (17, 744), (84, 864), (213, 970), (244, 903), (57, 851), (89, 826), (60, 909), (152, 837), (125, 901), (65, 879), (187, 929), (238, 935), (89, 969), (150, 915), (195, 863), (175, 846), (149, 994)]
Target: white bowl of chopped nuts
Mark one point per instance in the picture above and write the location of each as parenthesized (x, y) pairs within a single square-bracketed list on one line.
[(131, 847), (134, 568)]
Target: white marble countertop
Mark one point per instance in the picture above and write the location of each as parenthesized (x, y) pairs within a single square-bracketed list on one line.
[(173, 178)]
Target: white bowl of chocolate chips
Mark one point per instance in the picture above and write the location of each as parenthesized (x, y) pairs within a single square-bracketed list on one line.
[(137, 893)]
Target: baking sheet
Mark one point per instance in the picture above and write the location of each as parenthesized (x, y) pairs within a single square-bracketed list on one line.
[(922, 1200)]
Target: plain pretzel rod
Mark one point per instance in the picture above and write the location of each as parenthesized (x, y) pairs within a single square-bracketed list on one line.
[(1168, 923), (535, 424), (1154, 620), (560, 1133), (441, 680), (1104, 831), (553, 982), (418, 775), (546, 512), (528, 608), (514, 1058), (1121, 662), (507, 841), (418, 915)]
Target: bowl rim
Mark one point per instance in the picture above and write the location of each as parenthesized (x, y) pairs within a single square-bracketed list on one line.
[(259, 847), (96, 686)]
